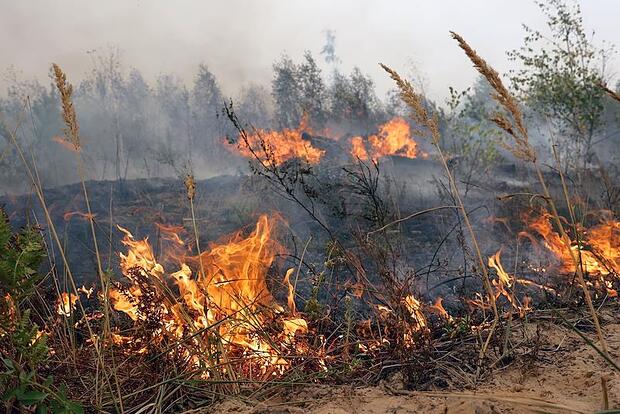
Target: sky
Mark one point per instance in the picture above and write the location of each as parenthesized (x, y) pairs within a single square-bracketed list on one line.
[(240, 39)]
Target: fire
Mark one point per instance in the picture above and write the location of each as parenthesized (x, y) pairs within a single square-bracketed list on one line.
[(393, 138), (65, 144), (214, 313), (504, 283), (65, 304), (414, 307), (358, 149), (68, 215), (599, 250), (223, 305), (278, 146), (495, 262), (438, 308)]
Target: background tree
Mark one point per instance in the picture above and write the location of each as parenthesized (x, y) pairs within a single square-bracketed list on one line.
[(469, 136), (313, 91), (206, 101), (286, 92), (560, 76), (255, 106), (353, 100)]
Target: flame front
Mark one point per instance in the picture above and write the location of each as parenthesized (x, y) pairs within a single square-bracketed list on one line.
[(223, 306), (393, 138)]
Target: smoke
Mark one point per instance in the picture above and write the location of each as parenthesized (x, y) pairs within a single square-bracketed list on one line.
[(240, 39)]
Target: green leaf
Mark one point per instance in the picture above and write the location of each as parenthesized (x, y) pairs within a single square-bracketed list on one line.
[(32, 397), (9, 364), (9, 394), (48, 381), (74, 407)]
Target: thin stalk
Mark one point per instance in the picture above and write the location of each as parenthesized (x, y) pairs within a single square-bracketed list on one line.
[(39, 192)]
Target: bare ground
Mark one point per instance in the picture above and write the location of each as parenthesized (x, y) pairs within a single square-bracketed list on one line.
[(562, 375)]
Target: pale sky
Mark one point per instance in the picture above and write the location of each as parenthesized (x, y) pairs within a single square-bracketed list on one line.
[(240, 39)]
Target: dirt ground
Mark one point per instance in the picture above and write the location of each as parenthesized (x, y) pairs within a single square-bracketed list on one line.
[(565, 376)]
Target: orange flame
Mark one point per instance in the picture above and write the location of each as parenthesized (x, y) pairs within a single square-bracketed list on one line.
[(599, 252), (65, 143), (86, 216), (65, 304), (278, 146), (505, 281), (393, 138), (231, 297)]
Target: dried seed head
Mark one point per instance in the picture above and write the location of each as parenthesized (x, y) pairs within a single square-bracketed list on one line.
[(516, 129), (72, 133), (190, 185), (415, 101)]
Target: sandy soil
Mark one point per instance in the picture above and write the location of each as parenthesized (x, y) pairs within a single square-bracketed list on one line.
[(563, 377)]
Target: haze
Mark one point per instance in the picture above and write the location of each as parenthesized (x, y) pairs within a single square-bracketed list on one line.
[(240, 39)]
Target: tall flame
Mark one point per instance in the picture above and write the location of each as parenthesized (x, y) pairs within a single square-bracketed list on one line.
[(228, 295)]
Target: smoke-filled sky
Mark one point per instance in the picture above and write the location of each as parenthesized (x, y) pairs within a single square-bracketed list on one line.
[(240, 39)]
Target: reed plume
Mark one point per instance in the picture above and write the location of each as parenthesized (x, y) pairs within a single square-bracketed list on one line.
[(521, 147), (72, 130)]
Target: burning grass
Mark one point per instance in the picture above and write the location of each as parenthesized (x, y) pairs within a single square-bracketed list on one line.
[(392, 138), (184, 326)]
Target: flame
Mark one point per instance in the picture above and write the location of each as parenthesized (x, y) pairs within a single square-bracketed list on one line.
[(358, 149), (438, 308), (227, 296), (598, 250), (86, 216), (291, 291), (171, 233), (496, 263), (505, 281), (393, 138), (278, 146), (65, 304), (65, 143)]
